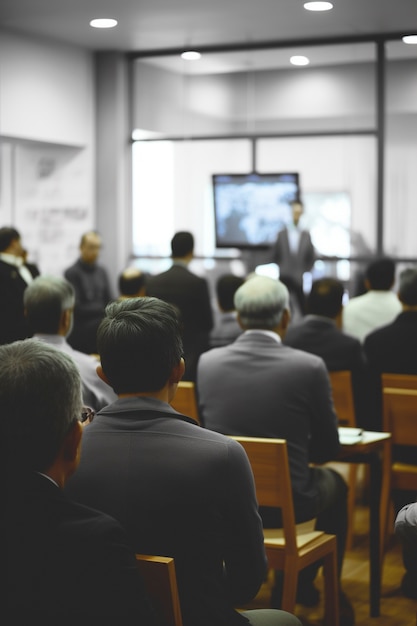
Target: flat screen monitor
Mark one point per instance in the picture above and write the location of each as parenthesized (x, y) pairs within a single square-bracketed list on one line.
[(250, 209)]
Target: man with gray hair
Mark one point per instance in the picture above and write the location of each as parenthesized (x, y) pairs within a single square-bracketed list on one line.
[(49, 306), (258, 387), (66, 563)]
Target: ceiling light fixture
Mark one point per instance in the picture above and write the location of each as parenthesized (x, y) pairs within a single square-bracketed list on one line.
[(299, 60), (191, 55), (410, 39), (103, 23), (318, 6)]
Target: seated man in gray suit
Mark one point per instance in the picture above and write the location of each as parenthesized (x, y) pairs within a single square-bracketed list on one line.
[(49, 305), (320, 332), (178, 489), (259, 387)]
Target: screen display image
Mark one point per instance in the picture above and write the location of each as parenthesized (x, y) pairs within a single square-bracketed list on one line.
[(250, 209)]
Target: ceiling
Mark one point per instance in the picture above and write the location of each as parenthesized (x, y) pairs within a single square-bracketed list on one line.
[(146, 26), (172, 24)]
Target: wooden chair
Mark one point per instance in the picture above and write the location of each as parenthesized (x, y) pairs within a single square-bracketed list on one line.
[(341, 383), (160, 580), (399, 381), (291, 548), (185, 400), (400, 419)]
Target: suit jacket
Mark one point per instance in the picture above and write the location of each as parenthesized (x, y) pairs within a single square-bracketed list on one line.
[(68, 564), (392, 348), (180, 491), (190, 294), (226, 330), (293, 264), (92, 294), (258, 387), (13, 323), (319, 335)]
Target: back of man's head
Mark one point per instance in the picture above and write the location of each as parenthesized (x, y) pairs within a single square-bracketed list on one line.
[(261, 302), (182, 244), (40, 397), (139, 342), (226, 287), (407, 291), (45, 299), (8, 234), (380, 274), (325, 297), (131, 282)]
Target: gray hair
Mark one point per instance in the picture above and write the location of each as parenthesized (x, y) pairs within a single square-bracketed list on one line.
[(407, 291), (45, 299), (40, 398), (261, 301)]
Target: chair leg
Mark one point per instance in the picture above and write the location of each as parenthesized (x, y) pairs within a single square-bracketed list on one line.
[(331, 589), (351, 503), (289, 591)]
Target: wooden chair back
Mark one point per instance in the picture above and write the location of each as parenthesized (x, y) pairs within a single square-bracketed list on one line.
[(400, 415), (185, 400), (341, 383), (160, 581), (399, 381)]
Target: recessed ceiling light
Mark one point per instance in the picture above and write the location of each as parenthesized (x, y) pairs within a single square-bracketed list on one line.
[(299, 60), (191, 55), (103, 23), (318, 6), (410, 39)]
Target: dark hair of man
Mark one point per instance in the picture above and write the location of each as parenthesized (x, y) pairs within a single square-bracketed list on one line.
[(408, 287), (325, 297), (226, 287), (44, 300), (132, 284), (182, 244), (139, 342), (7, 235), (40, 398), (381, 274)]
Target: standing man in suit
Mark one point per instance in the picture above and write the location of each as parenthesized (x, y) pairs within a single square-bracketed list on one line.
[(294, 253), (15, 276), (92, 293), (320, 333), (66, 563), (258, 387), (190, 294), (178, 489)]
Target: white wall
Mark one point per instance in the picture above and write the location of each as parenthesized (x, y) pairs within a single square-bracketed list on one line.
[(47, 127)]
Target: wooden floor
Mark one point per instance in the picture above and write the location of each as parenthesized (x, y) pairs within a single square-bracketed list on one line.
[(396, 609)]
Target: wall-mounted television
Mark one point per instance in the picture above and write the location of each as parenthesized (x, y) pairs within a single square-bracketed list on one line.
[(250, 209)]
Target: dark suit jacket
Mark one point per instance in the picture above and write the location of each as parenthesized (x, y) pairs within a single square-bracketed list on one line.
[(181, 491), (13, 324), (257, 387), (68, 564), (392, 348), (190, 294), (293, 264), (320, 335)]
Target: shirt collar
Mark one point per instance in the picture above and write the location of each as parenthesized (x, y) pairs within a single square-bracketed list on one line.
[(11, 259), (261, 331)]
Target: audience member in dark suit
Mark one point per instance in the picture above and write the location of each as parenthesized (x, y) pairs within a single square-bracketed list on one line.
[(49, 305), (66, 563), (194, 486), (226, 327), (393, 348), (190, 294), (258, 387), (320, 333), (15, 276), (92, 293), (294, 253)]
